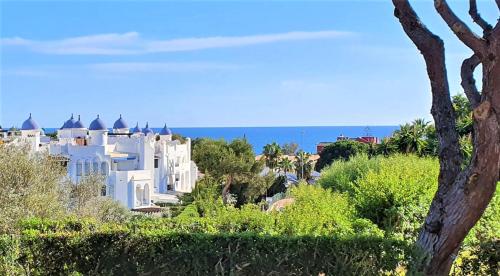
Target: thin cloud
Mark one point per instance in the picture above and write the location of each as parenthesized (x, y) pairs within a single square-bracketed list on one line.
[(132, 43), (117, 69), (158, 67)]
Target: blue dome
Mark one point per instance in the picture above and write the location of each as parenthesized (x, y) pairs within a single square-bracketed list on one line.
[(78, 124), (165, 130), (69, 123), (97, 124), (30, 124), (147, 130), (120, 123), (137, 129)]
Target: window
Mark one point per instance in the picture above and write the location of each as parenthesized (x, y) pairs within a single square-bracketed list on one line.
[(104, 168), (156, 163), (95, 167), (88, 165), (79, 167)]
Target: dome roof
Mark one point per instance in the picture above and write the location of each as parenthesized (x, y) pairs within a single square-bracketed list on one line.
[(137, 129), (147, 130), (69, 123), (30, 124), (78, 124), (120, 123), (97, 124), (165, 130)]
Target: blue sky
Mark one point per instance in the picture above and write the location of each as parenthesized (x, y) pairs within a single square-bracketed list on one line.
[(245, 63)]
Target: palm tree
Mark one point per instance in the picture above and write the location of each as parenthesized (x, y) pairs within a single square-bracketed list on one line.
[(386, 147), (303, 166), (272, 152), (286, 165), (410, 138)]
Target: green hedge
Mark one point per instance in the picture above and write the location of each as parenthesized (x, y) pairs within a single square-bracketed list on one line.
[(159, 253)]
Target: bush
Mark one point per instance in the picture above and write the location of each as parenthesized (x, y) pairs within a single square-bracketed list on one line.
[(30, 185), (9, 253), (481, 249), (316, 211), (160, 253), (342, 176), (340, 150), (398, 194)]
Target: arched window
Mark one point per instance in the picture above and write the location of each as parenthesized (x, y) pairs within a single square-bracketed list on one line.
[(79, 167), (104, 168), (88, 165), (95, 167)]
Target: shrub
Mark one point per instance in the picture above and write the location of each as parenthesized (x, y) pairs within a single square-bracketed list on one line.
[(340, 150), (397, 196), (481, 249), (9, 252), (30, 185), (163, 253), (316, 211), (342, 176)]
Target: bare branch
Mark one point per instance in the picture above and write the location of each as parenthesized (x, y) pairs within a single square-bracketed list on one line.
[(461, 30), (468, 81), (476, 17), (432, 49)]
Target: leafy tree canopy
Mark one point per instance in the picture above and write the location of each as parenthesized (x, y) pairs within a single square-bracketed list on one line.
[(340, 150)]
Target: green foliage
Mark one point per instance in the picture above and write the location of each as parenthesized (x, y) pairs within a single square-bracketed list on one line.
[(35, 186), (9, 254), (286, 165), (316, 211), (272, 153), (234, 165), (30, 186), (206, 196), (386, 147), (340, 150), (411, 138), (393, 192), (463, 113), (156, 252), (303, 165), (179, 137), (342, 176), (397, 195), (481, 249)]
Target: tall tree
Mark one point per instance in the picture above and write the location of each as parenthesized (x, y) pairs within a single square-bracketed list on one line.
[(463, 193), (272, 153), (285, 164), (232, 162), (303, 165)]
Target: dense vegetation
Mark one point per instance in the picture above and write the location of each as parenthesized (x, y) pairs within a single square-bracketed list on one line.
[(361, 217), (418, 137)]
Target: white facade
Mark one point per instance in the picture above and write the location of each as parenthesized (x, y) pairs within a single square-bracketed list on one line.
[(140, 167)]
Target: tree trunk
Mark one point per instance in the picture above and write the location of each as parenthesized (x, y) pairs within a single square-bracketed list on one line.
[(463, 194)]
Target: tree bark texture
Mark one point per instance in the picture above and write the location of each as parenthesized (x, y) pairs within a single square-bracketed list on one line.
[(463, 193)]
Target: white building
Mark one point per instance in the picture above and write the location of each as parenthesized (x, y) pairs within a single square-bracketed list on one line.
[(140, 166)]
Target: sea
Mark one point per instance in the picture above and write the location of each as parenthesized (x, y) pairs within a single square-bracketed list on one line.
[(307, 137)]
